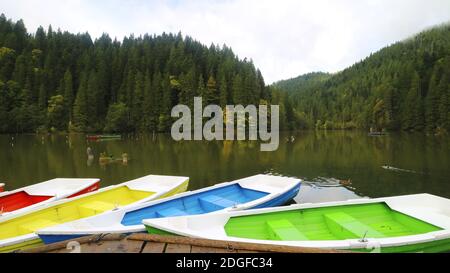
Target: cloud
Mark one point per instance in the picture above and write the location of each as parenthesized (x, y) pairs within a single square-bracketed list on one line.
[(284, 38)]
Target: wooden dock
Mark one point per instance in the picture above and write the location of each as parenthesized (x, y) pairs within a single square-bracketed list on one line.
[(146, 243)]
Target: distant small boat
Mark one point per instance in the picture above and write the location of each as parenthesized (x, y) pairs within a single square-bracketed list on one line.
[(253, 192), (2, 187), (30, 197), (103, 137), (377, 134), (18, 230), (413, 223)]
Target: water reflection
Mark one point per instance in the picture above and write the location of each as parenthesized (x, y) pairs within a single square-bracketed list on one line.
[(334, 165)]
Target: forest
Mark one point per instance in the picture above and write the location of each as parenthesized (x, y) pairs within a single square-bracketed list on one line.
[(405, 86), (55, 81)]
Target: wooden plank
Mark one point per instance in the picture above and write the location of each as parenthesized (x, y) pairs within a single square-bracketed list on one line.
[(147, 243), (178, 248), (104, 247), (227, 244), (201, 249), (152, 247), (249, 251), (83, 240), (133, 246)]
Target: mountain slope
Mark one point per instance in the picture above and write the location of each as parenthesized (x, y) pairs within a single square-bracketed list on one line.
[(63, 81), (403, 86), (302, 82)]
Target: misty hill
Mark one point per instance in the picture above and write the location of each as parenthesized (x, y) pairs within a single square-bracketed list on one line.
[(302, 82), (403, 86)]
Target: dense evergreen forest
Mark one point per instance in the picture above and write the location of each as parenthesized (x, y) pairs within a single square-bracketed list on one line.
[(405, 86), (58, 81), (303, 82)]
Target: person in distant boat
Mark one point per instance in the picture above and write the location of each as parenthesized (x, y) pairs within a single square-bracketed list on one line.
[(89, 152), (125, 158), (90, 156)]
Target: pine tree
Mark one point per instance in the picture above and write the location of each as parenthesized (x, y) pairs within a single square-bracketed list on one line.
[(147, 121), (210, 95), (223, 90), (237, 90), (137, 104), (432, 104), (188, 88), (165, 117), (68, 94), (444, 104), (201, 87), (80, 108)]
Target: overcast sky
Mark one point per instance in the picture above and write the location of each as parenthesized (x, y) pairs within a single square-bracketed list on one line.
[(284, 38)]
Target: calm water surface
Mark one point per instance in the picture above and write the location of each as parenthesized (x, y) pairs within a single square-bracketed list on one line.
[(334, 165)]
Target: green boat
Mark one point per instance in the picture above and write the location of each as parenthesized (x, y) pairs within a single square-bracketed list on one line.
[(413, 223), (102, 137)]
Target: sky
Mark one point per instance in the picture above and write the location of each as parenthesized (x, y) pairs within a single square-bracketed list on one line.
[(284, 38)]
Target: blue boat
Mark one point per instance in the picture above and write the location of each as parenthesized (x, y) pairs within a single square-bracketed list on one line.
[(258, 191)]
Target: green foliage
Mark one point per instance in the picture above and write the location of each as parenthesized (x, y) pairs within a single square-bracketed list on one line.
[(401, 87), (117, 119), (105, 80), (56, 113)]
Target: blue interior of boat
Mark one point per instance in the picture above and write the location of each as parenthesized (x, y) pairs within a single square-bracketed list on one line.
[(198, 203)]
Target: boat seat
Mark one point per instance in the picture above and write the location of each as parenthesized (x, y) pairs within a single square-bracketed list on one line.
[(345, 226), (94, 208), (284, 230), (169, 212), (214, 203), (36, 225)]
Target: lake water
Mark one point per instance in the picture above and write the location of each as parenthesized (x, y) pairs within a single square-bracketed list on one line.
[(335, 165)]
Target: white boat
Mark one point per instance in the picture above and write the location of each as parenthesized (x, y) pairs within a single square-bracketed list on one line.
[(30, 197), (253, 192), (413, 223), (18, 229)]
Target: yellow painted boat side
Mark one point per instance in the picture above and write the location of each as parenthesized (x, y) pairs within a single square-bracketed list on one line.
[(72, 210), (24, 245), (182, 188)]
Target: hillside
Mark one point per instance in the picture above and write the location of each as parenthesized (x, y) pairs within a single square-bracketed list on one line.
[(302, 82), (54, 80), (404, 86)]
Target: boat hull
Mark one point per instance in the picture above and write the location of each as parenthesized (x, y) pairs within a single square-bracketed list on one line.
[(248, 198), (32, 197), (438, 246), (84, 205), (23, 245), (403, 224)]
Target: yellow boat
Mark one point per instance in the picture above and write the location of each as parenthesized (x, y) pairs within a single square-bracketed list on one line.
[(18, 231)]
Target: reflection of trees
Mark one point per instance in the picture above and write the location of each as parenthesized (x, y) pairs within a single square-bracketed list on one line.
[(336, 154)]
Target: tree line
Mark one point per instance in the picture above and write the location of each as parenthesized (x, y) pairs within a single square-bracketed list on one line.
[(405, 86), (59, 81)]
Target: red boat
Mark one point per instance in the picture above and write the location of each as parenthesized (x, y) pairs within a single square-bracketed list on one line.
[(35, 195)]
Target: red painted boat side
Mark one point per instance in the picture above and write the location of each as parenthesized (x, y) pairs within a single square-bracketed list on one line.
[(20, 200), (89, 189)]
